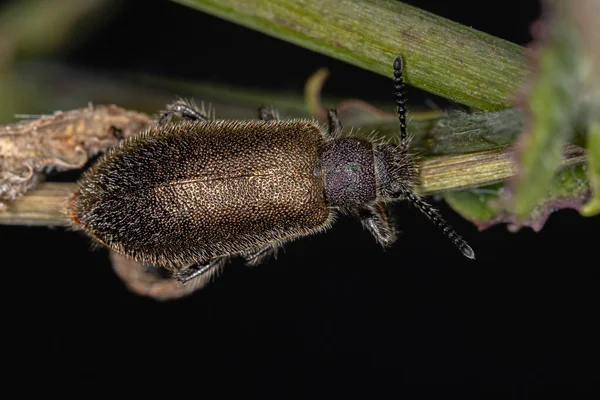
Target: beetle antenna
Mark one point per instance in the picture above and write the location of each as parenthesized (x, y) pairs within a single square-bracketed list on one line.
[(438, 221), (399, 87)]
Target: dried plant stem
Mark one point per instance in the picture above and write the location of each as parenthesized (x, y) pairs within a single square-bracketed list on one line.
[(42, 206), (45, 205)]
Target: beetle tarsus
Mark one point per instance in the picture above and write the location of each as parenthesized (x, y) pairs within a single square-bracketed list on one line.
[(268, 114), (375, 219), (183, 109), (195, 271), (258, 256)]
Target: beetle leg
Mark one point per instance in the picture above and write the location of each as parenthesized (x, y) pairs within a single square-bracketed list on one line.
[(335, 125), (257, 256), (183, 109), (268, 114), (375, 219), (206, 271)]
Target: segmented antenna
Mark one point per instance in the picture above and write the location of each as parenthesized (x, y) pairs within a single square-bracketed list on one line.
[(400, 100), (438, 221), (421, 205)]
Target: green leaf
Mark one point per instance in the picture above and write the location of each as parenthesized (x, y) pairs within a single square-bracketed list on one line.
[(487, 206), (593, 206), (552, 105), (587, 13)]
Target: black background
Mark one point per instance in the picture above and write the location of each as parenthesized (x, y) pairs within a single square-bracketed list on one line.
[(334, 314)]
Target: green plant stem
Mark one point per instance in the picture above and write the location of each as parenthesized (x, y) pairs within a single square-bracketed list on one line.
[(441, 56)]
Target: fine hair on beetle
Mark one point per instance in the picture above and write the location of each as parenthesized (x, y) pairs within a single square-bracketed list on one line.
[(192, 192)]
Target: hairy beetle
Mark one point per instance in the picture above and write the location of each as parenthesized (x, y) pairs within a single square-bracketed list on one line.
[(189, 195)]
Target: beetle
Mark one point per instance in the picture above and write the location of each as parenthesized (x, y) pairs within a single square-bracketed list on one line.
[(189, 195)]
